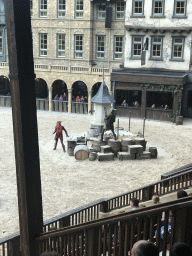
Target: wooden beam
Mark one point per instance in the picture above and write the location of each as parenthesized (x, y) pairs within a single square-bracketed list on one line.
[(22, 79)]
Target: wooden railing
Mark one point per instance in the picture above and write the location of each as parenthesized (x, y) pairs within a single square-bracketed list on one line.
[(116, 235), (79, 107), (61, 106), (79, 215), (162, 187), (90, 211)]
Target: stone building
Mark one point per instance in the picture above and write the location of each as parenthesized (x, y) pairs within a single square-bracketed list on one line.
[(73, 41), (157, 61)]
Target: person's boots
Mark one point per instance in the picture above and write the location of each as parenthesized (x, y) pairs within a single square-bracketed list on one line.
[(55, 146), (63, 146)]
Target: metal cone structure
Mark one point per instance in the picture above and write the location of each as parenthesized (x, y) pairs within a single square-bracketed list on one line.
[(102, 105)]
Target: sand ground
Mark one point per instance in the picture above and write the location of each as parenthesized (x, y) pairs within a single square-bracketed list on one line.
[(68, 183)]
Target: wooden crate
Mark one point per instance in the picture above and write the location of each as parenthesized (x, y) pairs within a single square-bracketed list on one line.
[(105, 149), (105, 157), (135, 149), (144, 155), (125, 156)]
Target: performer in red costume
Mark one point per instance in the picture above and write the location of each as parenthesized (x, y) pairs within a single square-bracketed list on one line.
[(59, 134)]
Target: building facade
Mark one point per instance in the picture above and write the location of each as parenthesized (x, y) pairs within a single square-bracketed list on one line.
[(158, 59), (73, 41)]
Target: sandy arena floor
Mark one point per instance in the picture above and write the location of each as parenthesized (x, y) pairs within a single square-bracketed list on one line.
[(68, 183)]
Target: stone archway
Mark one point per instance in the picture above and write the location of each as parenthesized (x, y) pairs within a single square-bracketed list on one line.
[(41, 88), (95, 89), (5, 88), (79, 88), (59, 87)]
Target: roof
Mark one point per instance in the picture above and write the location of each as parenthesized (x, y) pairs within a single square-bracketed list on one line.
[(103, 95)]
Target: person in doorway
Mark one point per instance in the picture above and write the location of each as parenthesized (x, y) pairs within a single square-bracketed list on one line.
[(61, 97), (136, 104), (64, 97), (124, 104), (78, 99), (59, 135), (56, 97), (166, 107)]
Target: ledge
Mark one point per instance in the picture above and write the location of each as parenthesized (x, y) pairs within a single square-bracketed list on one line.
[(159, 29)]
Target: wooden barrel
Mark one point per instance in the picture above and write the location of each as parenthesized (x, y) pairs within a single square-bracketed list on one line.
[(97, 145), (71, 144), (179, 120), (115, 145), (124, 144), (81, 152), (153, 151), (140, 141), (93, 131), (92, 156)]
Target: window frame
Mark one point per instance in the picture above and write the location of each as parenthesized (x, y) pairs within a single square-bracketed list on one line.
[(101, 12), (75, 45), (44, 10), (118, 52), (185, 7), (174, 44), (79, 11), (161, 48), (61, 10), (136, 57), (43, 49), (59, 50), (101, 52), (153, 8), (133, 8), (3, 36), (119, 12)]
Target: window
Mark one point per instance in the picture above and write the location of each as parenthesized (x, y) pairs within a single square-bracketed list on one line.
[(1, 44), (120, 10), (43, 8), (61, 46), (178, 48), (180, 8), (101, 12), (137, 42), (158, 8), (138, 8), (61, 5), (79, 9), (156, 47), (78, 46), (43, 45), (100, 51), (31, 7), (118, 53)]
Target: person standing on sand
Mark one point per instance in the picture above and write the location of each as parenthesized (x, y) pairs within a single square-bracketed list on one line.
[(59, 135)]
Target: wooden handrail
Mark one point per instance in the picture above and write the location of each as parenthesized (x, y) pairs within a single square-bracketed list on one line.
[(118, 234)]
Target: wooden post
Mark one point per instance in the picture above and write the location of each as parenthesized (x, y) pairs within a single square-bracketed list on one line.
[(143, 127), (21, 66), (117, 128), (129, 120)]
